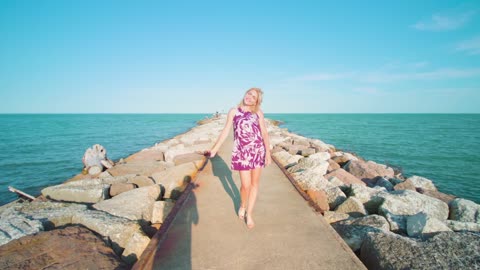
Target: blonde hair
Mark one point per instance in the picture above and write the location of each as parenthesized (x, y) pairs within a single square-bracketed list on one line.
[(259, 91)]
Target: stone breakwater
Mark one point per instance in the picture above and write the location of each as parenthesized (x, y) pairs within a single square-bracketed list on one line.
[(389, 221), (120, 208)]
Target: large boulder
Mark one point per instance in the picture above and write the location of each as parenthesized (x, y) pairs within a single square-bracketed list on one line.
[(422, 182), (84, 191), (420, 225), (345, 177), (332, 216), (307, 164), (354, 231), (459, 226), (446, 250), (161, 210), (135, 204), (335, 197), (398, 205), (353, 207), (447, 198), (146, 168), (117, 230), (146, 155), (464, 210), (405, 185), (175, 179), (370, 197), (14, 225), (51, 214), (67, 248), (311, 180), (319, 197), (367, 171)]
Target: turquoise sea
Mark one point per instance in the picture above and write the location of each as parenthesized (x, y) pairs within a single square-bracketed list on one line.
[(444, 148), (39, 150)]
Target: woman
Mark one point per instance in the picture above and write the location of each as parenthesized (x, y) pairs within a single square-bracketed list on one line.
[(251, 148)]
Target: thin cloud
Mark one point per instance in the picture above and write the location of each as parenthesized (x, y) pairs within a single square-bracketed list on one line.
[(444, 22), (447, 73), (471, 46), (387, 77), (368, 90), (323, 77)]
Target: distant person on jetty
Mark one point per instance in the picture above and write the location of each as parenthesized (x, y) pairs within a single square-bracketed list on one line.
[(251, 148)]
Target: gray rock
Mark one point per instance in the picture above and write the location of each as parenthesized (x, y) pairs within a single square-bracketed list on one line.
[(422, 182), (136, 245), (176, 179), (315, 165), (336, 182), (353, 207), (405, 185), (420, 225), (116, 230), (398, 205), (14, 225), (447, 250), (135, 204), (335, 197), (344, 176), (307, 152), (87, 193), (52, 214), (85, 190), (354, 231), (142, 181), (370, 197), (447, 198), (459, 226), (383, 182), (116, 189), (161, 209), (332, 216), (311, 180), (367, 171), (464, 210)]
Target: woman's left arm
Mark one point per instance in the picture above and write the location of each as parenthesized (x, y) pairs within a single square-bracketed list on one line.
[(266, 139)]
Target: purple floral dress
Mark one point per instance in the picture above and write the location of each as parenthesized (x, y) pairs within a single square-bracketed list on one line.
[(248, 147)]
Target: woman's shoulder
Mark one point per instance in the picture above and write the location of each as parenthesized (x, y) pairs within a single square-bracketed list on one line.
[(260, 113)]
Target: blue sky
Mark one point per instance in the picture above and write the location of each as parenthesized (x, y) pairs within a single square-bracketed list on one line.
[(201, 56)]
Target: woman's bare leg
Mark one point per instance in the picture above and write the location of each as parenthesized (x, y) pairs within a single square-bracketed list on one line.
[(255, 179), (245, 186)]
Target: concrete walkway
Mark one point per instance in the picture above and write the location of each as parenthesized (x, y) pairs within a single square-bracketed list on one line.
[(207, 234)]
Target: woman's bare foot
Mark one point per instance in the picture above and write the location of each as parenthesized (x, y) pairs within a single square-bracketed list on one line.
[(241, 213), (250, 223)]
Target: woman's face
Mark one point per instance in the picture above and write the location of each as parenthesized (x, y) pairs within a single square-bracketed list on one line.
[(250, 98)]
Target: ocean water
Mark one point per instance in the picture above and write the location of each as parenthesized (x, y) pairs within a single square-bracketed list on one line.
[(39, 150), (444, 148)]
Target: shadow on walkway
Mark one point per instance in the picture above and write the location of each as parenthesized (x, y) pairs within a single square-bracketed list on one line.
[(223, 172)]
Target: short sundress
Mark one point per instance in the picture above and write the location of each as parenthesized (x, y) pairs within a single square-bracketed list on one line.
[(248, 148)]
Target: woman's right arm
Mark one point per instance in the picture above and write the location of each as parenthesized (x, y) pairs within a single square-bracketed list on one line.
[(224, 134)]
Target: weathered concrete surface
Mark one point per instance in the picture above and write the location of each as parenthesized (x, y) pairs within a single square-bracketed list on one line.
[(207, 234)]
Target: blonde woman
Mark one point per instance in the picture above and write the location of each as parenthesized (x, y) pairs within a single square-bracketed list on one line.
[(251, 151)]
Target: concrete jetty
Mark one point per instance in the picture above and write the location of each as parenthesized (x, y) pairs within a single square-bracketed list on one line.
[(207, 234)]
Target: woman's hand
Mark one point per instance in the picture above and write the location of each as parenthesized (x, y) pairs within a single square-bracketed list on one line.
[(210, 154), (268, 159)]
